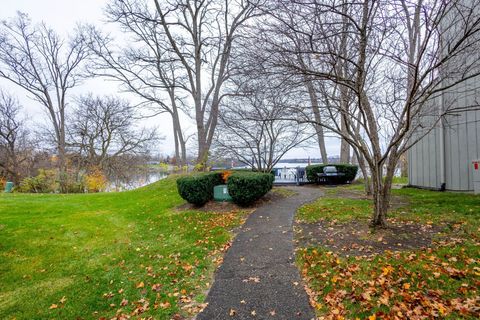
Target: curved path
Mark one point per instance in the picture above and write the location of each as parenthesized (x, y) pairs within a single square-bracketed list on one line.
[(258, 278)]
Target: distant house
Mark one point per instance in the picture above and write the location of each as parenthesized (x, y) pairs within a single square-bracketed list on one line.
[(443, 158)]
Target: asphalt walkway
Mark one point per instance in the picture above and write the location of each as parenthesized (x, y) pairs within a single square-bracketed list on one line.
[(258, 278)]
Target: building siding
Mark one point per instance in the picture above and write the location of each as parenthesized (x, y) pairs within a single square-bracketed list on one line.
[(461, 144)]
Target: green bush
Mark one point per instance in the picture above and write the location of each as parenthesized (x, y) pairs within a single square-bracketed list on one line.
[(243, 186), (349, 170), (198, 189), (44, 182), (47, 181), (247, 187)]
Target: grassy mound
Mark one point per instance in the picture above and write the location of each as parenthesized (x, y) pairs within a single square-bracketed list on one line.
[(104, 255)]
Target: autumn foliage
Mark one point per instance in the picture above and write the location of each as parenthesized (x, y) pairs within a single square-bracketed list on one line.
[(407, 285), (225, 175), (96, 181)]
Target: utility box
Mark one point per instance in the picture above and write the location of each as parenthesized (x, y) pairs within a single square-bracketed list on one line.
[(8, 187), (476, 176), (220, 193)]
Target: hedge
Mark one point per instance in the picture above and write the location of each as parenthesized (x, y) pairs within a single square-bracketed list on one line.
[(198, 189), (349, 170), (247, 187), (243, 186)]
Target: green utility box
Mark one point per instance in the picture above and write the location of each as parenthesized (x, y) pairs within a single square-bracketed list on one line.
[(8, 187), (220, 193)]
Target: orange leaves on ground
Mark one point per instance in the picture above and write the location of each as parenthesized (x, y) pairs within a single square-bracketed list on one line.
[(393, 286), (387, 270)]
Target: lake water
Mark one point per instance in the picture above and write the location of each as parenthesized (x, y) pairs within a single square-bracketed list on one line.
[(135, 180)]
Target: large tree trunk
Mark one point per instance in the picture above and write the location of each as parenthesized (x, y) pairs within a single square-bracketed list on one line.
[(318, 120), (202, 157)]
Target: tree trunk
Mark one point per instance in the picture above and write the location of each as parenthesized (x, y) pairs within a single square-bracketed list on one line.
[(318, 120), (177, 146), (403, 166), (381, 200), (202, 157), (359, 159), (344, 146), (62, 170), (366, 179), (382, 188), (183, 150)]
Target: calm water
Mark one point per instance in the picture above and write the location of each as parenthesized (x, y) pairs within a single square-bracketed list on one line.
[(135, 180)]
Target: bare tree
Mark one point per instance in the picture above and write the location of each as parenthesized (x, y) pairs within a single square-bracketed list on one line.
[(15, 146), (400, 57), (252, 60), (200, 36), (180, 59), (251, 128), (144, 67), (38, 60), (102, 130)]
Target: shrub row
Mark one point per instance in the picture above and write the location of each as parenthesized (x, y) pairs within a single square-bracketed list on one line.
[(244, 187), (247, 187), (349, 170), (198, 188)]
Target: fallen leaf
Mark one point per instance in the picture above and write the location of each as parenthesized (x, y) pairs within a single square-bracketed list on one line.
[(156, 287)]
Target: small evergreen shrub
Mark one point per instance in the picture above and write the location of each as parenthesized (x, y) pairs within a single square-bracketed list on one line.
[(247, 187), (349, 170), (198, 189)]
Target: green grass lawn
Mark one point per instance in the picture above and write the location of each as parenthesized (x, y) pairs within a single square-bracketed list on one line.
[(92, 256), (442, 281)]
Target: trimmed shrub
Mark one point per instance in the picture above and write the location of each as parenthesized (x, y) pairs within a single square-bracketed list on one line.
[(349, 170), (198, 189), (247, 187)]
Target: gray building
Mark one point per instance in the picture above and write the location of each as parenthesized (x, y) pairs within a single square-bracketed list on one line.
[(443, 158)]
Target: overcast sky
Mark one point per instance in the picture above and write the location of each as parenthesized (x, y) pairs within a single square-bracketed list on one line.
[(63, 15)]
